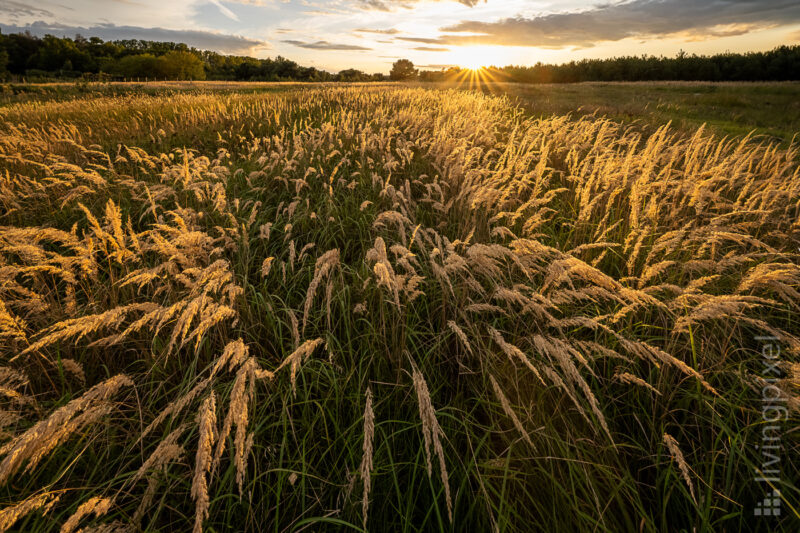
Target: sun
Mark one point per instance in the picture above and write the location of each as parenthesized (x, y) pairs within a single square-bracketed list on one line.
[(474, 57), (473, 65)]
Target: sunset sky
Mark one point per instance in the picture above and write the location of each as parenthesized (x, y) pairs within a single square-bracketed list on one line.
[(371, 34)]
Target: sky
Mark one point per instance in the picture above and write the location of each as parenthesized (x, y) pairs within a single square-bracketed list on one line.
[(371, 34)]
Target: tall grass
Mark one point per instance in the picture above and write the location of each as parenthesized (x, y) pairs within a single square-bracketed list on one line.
[(385, 309)]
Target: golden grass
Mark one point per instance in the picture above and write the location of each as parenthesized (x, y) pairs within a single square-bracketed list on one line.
[(550, 250)]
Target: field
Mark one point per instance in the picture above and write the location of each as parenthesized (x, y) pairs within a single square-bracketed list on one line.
[(768, 111), (771, 111), (393, 308)]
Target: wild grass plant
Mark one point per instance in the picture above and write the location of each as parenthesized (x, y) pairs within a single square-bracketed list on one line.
[(386, 309)]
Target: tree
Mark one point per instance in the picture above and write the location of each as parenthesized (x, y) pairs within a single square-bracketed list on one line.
[(180, 65), (351, 75), (403, 69), (3, 63), (135, 66)]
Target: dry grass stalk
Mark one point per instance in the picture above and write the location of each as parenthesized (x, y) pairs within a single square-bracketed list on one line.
[(512, 352), (11, 327), (431, 433), (33, 445), (207, 434), (166, 452), (509, 411), (266, 266), (460, 334), (677, 455), (74, 368), (234, 354), (324, 265), (96, 505), (625, 377), (298, 356), (11, 514), (365, 470), (295, 328), (237, 415), (563, 354)]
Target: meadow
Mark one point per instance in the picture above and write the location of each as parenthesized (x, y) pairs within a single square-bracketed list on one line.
[(389, 308)]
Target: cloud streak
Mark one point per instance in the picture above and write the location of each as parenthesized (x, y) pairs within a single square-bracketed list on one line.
[(393, 5), (636, 18), (439, 66), (13, 11), (391, 31), (224, 10), (423, 40), (325, 45), (206, 40)]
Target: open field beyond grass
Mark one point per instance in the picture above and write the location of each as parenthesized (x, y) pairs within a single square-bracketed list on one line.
[(771, 111), (386, 308)]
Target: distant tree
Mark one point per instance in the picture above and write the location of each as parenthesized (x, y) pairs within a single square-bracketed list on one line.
[(3, 63), (23, 54), (351, 75), (182, 65), (138, 66), (403, 69), (285, 69)]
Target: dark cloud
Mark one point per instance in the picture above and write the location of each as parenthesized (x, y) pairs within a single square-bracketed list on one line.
[(325, 45), (636, 18), (206, 40), (432, 49)]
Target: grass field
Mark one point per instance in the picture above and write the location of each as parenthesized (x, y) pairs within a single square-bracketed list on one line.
[(390, 308), (771, 111)]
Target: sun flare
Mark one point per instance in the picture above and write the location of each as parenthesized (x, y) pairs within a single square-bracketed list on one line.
[(474, 57)]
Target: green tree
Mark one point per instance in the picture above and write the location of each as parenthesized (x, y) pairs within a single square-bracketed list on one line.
[(138, 66), (351, 75), (180, 65), (3, 63), (403, 69)]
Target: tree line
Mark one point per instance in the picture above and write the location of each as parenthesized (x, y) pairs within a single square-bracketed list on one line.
[(779, 64), (23, 55)]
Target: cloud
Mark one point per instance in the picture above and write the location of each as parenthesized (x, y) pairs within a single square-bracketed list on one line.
[(391, 31), (636, 18), (432, 49), (392, 5), (325, 45), (13, 11), (438, 67), (206, 40), (423, 40), (224, 10)]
